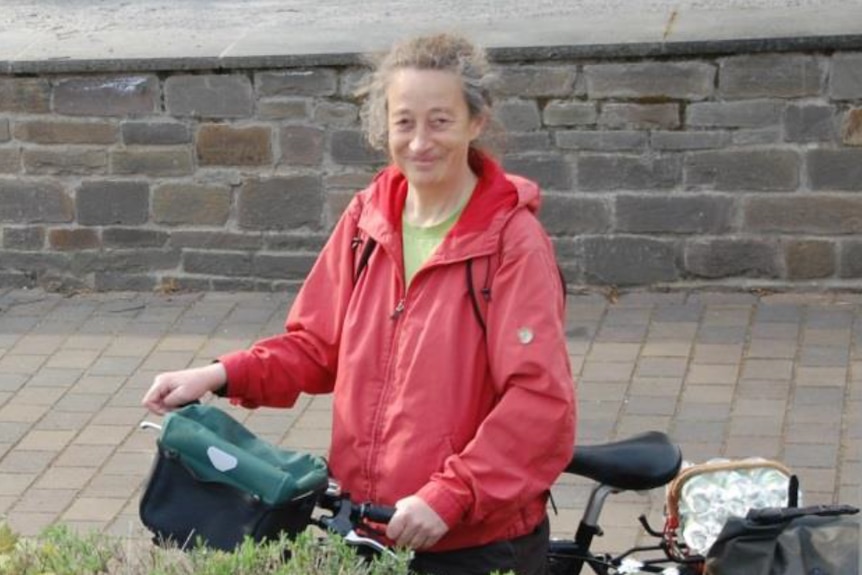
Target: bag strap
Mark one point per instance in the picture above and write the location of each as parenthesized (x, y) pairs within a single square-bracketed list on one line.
[(367, 250)]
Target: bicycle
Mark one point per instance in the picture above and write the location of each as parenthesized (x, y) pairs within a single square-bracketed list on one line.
[(639, 463)]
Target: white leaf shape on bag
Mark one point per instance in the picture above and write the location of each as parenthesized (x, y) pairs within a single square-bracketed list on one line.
[(221, 460)]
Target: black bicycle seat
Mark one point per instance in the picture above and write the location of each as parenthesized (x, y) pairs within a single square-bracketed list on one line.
[(641, 462)]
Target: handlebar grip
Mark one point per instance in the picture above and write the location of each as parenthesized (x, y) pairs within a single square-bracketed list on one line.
[(377, 513)]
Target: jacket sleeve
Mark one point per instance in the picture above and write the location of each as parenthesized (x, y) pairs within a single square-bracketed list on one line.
[(274, 371), (526, 440)]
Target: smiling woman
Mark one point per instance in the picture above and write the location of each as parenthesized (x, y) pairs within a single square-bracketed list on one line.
[(430, 405)]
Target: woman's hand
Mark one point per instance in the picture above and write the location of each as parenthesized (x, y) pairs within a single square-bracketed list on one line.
[(415, 524), (176, 388)]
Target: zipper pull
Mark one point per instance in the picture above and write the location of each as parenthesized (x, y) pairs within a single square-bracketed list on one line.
[(398, 309)]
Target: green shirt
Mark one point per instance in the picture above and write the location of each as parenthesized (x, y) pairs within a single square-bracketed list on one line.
[(419, 243)]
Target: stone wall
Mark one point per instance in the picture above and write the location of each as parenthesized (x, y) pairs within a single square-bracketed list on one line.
[(739, 170)]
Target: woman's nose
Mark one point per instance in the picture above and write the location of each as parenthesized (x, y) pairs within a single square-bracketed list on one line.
[(419, 141)]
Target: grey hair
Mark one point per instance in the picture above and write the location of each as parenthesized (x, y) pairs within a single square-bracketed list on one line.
[(448, 52)]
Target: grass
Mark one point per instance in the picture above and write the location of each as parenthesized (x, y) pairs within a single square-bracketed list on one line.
[(59, 550)]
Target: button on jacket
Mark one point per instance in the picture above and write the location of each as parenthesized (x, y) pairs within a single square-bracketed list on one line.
[(477, 423)]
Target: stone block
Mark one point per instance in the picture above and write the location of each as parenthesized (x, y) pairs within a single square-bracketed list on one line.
[(191, 204), (522, 143), (110, 281), (295, 242), (519, 115), (225, 145), (349, 147), (310, 82), (757, 137), (301, 145), (745, 114), (715, 258), (743, 170), (281, 203), (850, 261), (336, 114), (605, 172), (690, 140), (151, 133), (5, 133), (215, 240), (350, 80), (601, 140), (209, 96), (26, 202), (133, 238), (690, 81), (673, 214), (570, 113), (10, 160), (290, 109), (106, 96), (537, 81), (24, 238), (25, 95), (218, 263), (173, 161), (835, 169), (640, 116), (137, 261), (283, 266), (809, 259), (66, 161), (852, 130), (66, 132), (804, 123), (550, 171), (771, 76), (845, 81), (628, 261), (72, 239), (564, 215), (113, 203), (803, 214)]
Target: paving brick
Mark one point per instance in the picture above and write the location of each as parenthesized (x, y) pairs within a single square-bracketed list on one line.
[(821, 376), (45, 440), (708, 393), (94, 509), (701, 373)]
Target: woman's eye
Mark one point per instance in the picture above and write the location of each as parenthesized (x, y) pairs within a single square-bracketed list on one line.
[(440, 122)]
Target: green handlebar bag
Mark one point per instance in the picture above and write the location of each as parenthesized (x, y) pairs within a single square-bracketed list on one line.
[(214, 482)]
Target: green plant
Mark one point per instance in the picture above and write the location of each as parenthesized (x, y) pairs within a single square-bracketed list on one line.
[(59, 550)]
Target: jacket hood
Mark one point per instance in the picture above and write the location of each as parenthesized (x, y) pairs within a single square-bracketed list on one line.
[(497, 197)]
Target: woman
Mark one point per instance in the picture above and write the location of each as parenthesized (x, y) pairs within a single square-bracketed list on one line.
[(456, 410)]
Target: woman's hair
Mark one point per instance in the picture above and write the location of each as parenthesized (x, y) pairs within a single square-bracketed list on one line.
[(447, 52)]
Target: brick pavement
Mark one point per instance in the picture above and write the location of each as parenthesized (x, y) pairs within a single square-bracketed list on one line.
[(726, 374)]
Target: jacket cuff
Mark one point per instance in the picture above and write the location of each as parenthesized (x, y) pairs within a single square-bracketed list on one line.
[(450, 510)]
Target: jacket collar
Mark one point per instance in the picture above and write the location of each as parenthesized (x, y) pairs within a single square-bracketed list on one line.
[(497, 196)]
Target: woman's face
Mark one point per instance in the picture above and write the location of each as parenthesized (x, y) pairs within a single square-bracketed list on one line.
[(430, 128)]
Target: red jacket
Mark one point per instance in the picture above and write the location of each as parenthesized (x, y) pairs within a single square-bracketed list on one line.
[(477, 425)]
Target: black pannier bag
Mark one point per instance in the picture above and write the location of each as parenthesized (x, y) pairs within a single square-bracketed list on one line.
[(214, 482), (817, 540)]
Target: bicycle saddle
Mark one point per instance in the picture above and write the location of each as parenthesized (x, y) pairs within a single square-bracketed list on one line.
[(644, 461)]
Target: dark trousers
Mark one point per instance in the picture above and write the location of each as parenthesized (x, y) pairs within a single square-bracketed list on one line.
[(524, 555)]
